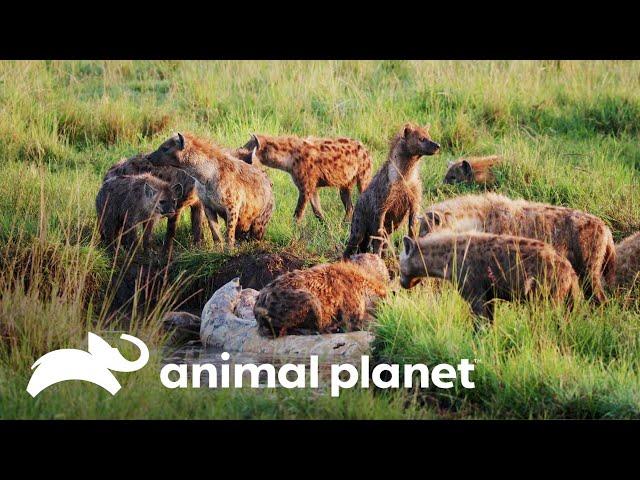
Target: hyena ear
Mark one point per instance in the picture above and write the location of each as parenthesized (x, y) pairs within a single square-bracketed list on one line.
[(430, 220), (408, 243), (466, 168), (180, 141), (407, 129), (256, 140), (254, 160), (178, 190), (149, 190)]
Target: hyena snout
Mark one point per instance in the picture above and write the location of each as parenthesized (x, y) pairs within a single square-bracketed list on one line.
[(167, 207), (431, 147), (408, 282)]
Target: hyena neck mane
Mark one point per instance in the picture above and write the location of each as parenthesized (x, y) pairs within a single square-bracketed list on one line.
[(400, 160), (201, 159), (277, 152)]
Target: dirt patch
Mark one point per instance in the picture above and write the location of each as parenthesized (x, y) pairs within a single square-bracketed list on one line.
[(139, 285), (255, 270)]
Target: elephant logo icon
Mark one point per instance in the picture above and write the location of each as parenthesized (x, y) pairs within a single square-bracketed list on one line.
[(93, 366)]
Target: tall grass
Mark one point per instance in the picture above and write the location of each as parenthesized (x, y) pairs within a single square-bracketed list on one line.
[(569, 131)]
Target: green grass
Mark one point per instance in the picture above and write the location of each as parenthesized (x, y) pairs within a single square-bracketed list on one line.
[(570, 132)]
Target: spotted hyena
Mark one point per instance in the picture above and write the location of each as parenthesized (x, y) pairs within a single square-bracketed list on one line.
[(140, 164), (314, 163), (227, 187), (582, 238), (485, 267), (472, 170), (394, 194), (124, 202), (327, 298)]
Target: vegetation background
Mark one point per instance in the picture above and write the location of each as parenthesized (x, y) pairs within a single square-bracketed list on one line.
[(570, 132)]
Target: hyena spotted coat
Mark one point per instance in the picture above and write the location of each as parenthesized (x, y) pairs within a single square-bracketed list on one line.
[(394, 194), (628, 262), (314, 163), (228, 187), (139, 164), (472, 170), (582, 238), (124, 202), (486, 267), (327, 298)]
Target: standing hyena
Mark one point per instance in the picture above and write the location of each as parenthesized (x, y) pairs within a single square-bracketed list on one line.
[(486, 267), (238, 192), (125, 202), (327, 298), (314, 163), (141, 164), (583, 239), (394, 194), (472, 170)]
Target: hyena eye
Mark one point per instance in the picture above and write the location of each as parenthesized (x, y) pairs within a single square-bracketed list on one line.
[(423, 139), (166, 148)]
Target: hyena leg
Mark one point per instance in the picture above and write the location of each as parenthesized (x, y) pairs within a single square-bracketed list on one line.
[(232, 223), (212, 220), (172, 223), (345, 196), (128, 238), (378, 243), (303, 199), (315, 205), (148, 233), (593, 285), (480, 301), (257, 230), (353, 245), (356, 236), (196, 223)]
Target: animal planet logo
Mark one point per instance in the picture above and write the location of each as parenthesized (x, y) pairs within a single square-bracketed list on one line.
[(93, 366)]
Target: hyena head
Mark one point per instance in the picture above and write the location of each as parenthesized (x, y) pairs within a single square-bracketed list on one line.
[(130, 166), (459, 172), (170, 153), (412, 267), (161, 198), (417, 140), (372, 264), (244, 154), (432, 221), (258, 151)]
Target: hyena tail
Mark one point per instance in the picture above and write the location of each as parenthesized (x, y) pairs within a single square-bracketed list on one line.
[(609, 264)]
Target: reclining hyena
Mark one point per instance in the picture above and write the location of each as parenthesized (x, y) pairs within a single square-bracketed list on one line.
[(394, 194), (140, 164), (314, 163), (472, 170), (238, 192), (583, 239), (485, 266), (628, 262), (327, 298), (125, 202)]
